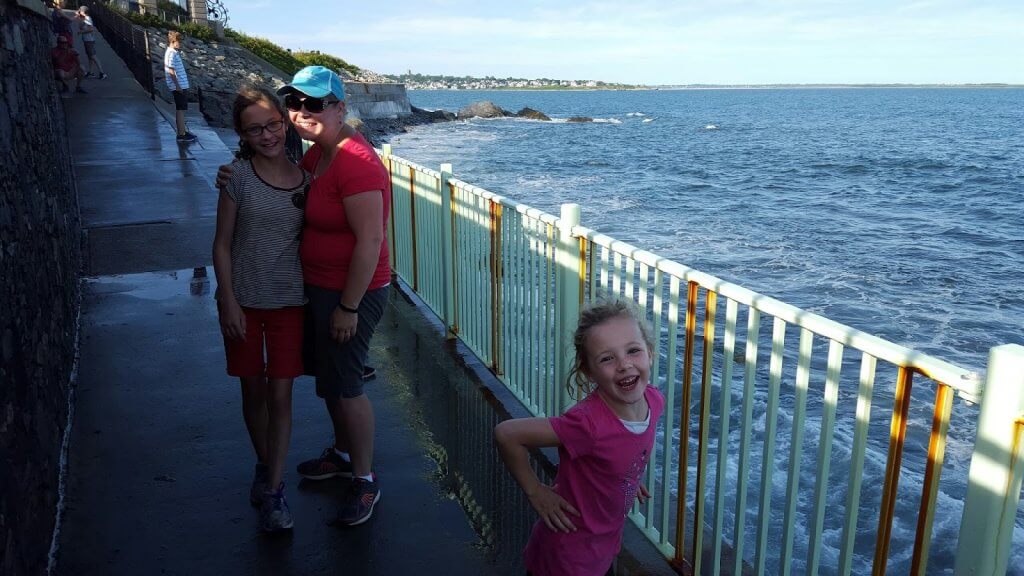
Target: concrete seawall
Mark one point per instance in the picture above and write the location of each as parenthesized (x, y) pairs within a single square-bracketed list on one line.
[(376, 101)]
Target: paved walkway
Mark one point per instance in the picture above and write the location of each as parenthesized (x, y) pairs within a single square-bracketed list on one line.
[(160, 462)]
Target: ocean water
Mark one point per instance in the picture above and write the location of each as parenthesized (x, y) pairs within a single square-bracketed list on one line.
[(899, 212)]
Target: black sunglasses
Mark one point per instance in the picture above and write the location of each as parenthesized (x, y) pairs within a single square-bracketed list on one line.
[(299, 201), (314, 105), (299, 198)]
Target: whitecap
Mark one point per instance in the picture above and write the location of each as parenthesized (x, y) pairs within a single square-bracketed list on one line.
[(710, 127), (607, 121), (635, 114), (646, 120)]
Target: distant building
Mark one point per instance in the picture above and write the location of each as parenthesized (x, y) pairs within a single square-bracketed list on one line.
[(198, 10)]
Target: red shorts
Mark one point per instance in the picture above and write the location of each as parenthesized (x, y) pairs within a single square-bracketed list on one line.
[(281, 330)]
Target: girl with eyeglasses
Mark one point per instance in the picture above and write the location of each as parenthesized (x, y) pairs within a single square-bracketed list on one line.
[(260, 294)]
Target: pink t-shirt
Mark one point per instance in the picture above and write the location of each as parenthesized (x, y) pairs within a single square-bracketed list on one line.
[(599, 471)]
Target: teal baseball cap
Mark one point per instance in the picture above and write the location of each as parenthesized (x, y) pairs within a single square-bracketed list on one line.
[(315, 81)]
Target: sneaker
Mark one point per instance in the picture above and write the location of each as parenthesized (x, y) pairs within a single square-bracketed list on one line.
[(274, 512), (259, 484), (90, 75), (328, 465), (187, 137), (369, 372), (104, 75), (81, 90), (359, 502)]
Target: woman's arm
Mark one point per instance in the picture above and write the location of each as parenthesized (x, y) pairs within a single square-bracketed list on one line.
[(365, 215), (514, 437), (232, 319)]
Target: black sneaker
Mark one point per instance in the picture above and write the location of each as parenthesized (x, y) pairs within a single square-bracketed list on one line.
[(275, 515), (187, 137), (104, 75), (327, 465), (90, 75), (369, 373), (259, 484), (358, 506)]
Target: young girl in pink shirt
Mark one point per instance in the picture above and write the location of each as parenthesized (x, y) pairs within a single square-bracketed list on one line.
[(604, 443)]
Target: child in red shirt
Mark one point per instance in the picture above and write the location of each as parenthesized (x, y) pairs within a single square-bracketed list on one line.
[(66, 67)]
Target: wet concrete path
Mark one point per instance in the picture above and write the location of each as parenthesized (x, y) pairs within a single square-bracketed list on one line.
[(160, 462)]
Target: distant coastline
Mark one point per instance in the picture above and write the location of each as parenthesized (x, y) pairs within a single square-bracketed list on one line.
[(579, 88), (798, 86)]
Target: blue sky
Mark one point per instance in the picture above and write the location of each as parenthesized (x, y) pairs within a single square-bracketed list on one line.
[(648, 42)]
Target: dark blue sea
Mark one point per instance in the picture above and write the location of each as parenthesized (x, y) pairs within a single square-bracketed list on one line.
[(899, 212)]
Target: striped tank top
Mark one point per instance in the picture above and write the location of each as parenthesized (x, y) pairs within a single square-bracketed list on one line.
[(265, 268)]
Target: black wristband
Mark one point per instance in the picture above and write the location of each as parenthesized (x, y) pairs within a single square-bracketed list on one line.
[(347, 309)]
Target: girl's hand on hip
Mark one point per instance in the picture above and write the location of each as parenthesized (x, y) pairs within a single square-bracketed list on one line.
[(553, 509), (343, 325), (232, 320)]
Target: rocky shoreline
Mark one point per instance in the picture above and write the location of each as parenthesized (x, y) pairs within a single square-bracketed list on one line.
[(380, 130)]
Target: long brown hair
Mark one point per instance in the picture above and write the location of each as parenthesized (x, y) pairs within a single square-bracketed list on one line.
[(247, 96), (577, 383)]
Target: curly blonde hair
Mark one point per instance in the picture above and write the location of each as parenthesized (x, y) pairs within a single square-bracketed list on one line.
[(577, 383)]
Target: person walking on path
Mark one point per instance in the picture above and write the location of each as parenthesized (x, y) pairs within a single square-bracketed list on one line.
[(66, 66), (260, 293), (60, 21), (177, 82), (604, 443), (88, 33), (347, 273)]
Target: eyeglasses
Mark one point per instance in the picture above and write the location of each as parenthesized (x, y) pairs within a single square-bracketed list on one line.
[(314, 105), (257, 130)]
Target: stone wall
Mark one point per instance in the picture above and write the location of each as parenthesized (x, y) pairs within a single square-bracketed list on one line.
[(40, 260)]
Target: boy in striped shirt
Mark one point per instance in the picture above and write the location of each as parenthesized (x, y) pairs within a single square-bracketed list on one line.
[(177, 81)]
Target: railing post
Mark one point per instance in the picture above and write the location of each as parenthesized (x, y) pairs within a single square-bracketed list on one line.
[(448, 286), (385, 156), (567, 296), (993, 485)]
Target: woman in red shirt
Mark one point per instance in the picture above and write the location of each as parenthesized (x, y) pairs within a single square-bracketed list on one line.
[(347, 272)]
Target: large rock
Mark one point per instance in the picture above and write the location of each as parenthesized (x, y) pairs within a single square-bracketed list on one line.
[(580, 119), (484, 109), (532, 114), (430, 116)]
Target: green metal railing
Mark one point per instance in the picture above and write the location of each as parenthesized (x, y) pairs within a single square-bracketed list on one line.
[(509, 281)]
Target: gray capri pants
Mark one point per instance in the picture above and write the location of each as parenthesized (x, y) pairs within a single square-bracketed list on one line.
[(339, 367)]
